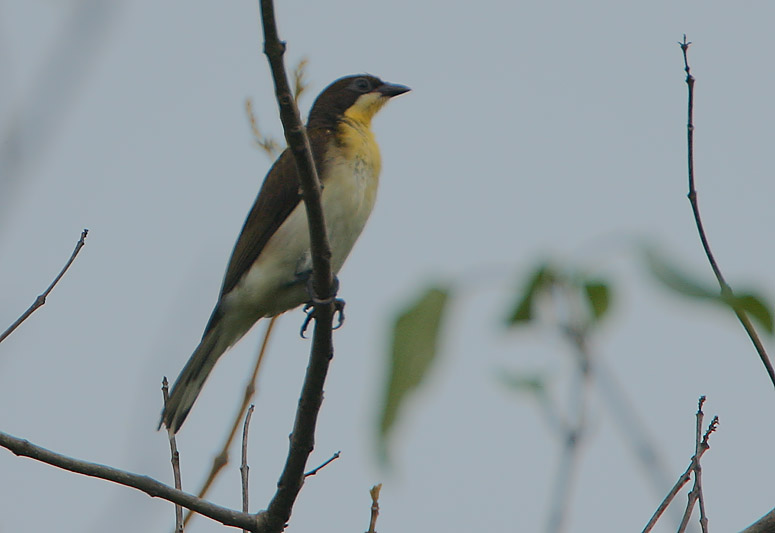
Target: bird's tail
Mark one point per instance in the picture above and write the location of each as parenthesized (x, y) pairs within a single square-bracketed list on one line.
[(191, 379)]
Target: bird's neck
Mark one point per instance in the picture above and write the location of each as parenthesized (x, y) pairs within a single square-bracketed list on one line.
[(356, 140)]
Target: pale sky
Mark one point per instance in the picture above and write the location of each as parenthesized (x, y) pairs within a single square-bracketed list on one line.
[(534, 130)]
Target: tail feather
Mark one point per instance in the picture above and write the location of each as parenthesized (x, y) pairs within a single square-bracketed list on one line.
[(191, 380)]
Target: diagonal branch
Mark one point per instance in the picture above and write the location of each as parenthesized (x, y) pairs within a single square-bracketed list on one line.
[(726, 291), (146, 484), (302, 439), (40, 300)]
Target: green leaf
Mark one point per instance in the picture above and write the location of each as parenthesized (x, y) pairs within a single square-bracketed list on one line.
[(414, 347), (755, 307), (599, 297), (673, 278), (523, 310)]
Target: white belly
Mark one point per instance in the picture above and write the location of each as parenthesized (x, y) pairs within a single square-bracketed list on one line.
[(271, 286)]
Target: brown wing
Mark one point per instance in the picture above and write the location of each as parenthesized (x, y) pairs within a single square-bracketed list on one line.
[(279, 195)]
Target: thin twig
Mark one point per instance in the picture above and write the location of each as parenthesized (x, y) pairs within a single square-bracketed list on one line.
[(165, 391), (726, 291), (300, 79), (698, 477), (321, 467), (374, 492), (696, 468), (695, 495), (302, 440), (146, 484), (40, 300), (244, 469), (693, 465), (269, 145), (222, 459)]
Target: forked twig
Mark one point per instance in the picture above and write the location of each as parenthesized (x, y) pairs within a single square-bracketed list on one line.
[(701, 446)]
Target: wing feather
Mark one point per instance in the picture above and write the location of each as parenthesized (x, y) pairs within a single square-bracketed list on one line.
[(278, 197)]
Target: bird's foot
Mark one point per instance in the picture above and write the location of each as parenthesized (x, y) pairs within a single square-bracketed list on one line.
[(310, 308)]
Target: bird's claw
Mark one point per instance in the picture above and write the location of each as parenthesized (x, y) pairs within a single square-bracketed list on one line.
[(310, 308)]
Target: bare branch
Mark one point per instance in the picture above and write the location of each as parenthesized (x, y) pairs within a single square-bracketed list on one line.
[(698, 446), (244, 468), (222, 459), (165, 390), (146, 484), (40, 300), (701, 446), (302, 440), (726, 291), (321, 467)]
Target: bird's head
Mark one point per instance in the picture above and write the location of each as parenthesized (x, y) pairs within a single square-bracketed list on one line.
[(355, 97)]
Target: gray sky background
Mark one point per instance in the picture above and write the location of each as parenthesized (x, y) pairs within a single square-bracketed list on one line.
[(534, 130)]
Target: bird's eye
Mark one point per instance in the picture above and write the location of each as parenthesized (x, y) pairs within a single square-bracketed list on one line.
[(362, 85)]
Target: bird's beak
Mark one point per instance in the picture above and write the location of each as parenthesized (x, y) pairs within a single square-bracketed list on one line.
[(389, 90)]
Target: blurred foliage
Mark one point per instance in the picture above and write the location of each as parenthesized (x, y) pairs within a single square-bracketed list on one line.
[(414, 347), (541, 279), (593, 291), (598, 296), (580, 301), (687, 285)]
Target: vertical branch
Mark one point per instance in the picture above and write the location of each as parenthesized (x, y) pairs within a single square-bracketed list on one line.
[(374, 492), (302, 439), (165, 390), (695, 467), (298, 142), (244, 468), (726, 291)]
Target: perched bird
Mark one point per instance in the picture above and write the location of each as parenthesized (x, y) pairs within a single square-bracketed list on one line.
[(271, 263)]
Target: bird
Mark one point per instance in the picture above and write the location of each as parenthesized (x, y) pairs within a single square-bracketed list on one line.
[(270, 267)]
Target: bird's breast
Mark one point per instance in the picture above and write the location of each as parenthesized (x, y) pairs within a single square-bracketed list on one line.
[(350, 178), (349, 174)]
